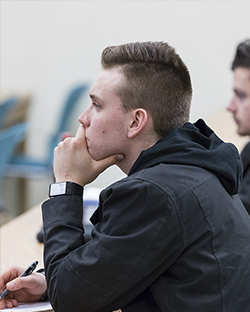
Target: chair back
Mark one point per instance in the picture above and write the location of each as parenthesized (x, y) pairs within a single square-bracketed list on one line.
[(9, 140), (5, 108)]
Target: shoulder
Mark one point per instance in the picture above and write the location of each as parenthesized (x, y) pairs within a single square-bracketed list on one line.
[(168, 180)]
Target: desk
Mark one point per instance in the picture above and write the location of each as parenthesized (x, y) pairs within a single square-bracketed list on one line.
[(18, 243)]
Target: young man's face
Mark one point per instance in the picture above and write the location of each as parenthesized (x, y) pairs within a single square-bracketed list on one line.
[(105, 120), (240, 103)]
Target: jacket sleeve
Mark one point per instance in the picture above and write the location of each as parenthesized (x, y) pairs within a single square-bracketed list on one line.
[(133, 242)]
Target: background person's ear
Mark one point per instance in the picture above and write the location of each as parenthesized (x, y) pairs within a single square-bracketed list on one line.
[(138, 122)]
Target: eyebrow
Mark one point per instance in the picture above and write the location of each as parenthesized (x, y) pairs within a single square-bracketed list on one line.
[(93, 97), (239, 91)]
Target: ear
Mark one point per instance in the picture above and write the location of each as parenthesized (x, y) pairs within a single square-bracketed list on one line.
[(138, 122)]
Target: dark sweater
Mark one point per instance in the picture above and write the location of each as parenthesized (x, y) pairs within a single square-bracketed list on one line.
[(172, 236)]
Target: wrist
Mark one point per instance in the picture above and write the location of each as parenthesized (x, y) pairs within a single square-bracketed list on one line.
[(44, 296)]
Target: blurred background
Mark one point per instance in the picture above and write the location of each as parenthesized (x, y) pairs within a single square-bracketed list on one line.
[(50, 55)]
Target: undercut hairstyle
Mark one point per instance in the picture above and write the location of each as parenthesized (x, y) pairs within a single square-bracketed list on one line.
[(156, 79), (242, 56)]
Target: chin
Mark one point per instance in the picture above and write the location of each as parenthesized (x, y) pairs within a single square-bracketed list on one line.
[(243, 133), (95, 156)]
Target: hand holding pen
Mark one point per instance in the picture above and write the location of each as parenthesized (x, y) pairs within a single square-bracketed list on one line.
[(27, 272), (18, 289)]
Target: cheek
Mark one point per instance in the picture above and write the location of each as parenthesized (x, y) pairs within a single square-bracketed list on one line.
[(112, 128), (248, 117), (246, 111)]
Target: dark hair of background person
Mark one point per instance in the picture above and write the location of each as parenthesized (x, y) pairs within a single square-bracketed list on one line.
[(242, 56)]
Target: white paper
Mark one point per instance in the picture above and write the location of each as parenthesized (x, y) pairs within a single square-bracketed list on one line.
[(31, 306)]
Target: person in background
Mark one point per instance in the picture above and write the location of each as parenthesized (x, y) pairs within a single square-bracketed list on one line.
[(239, 106), (171, 236)]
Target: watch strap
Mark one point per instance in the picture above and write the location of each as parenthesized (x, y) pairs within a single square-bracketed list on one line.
[(74, 189)]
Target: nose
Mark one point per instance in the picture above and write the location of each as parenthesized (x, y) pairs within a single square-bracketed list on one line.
[(84, 118)]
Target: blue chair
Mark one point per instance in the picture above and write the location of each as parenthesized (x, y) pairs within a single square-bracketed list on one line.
[(5, 108), (10, 138), (22, 166)]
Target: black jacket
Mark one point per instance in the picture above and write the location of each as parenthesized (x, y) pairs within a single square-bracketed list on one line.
[(244, 191), (172, 236)]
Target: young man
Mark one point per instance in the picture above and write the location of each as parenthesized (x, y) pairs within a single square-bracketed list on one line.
[(240, 108), (171, 236)]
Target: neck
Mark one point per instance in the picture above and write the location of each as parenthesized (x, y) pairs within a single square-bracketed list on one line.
[(133, 152)]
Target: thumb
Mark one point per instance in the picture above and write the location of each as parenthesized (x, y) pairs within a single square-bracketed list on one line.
[(80, 132), (98, 166), (16, 284), (109, 161)]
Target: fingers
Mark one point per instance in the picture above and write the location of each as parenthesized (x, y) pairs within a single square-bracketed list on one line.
[(9, 274), (71, 142), (8, 303), (26, 288), (73, 162)]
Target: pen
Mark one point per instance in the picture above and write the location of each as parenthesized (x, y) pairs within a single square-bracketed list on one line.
[(27, 272)]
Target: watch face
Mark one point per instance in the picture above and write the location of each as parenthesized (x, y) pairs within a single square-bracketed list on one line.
[(58, 189)]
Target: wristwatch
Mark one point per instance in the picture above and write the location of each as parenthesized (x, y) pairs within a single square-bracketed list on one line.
[(65, 188)]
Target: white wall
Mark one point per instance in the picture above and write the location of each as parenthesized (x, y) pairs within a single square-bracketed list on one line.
[(49, 46)]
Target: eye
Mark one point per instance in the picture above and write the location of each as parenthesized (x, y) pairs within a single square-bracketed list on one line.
[(240, 95), (96, 105)]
